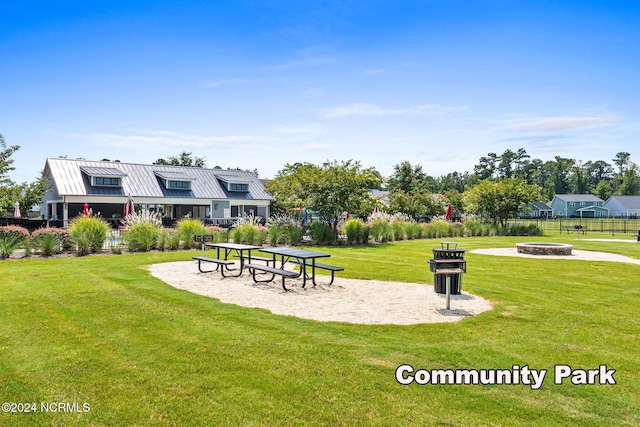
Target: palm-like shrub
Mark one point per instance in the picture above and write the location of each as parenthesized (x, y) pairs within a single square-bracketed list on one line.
[(49, 241), (12, 237), (88, 233)]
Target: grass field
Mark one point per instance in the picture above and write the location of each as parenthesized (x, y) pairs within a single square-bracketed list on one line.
[(127, 349)]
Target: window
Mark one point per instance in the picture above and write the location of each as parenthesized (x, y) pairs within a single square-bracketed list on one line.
[(233, 186), (179, 185), (101, 181), (572, 204)]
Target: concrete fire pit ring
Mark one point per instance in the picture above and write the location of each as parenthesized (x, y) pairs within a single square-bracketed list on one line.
[(537, 248)]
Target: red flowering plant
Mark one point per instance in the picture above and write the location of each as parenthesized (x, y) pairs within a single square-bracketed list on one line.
[(50, 240), (11, 238)]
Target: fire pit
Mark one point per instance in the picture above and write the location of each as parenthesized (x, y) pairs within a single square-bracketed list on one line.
[(544, 248)]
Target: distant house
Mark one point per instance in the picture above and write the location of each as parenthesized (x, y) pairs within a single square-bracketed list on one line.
[(217, 196), (623, 206), (579, 206), (537, 210)]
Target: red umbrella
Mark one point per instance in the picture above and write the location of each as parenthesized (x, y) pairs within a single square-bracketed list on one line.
[(129, 208), (85, 210), (448, 215), (16, 211)]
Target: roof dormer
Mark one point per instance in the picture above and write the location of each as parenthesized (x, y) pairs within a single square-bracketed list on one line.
[(175, 180), (104, 177)]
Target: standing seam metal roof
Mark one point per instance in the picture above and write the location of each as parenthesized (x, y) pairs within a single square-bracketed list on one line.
[(142, 181)]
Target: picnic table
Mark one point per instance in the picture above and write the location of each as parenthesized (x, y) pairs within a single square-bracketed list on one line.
[(304, 258), (223, 262), (576, 229)]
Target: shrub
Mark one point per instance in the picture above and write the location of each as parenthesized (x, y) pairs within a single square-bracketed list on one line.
[(473, 227), (141, 237), (355, 231), (219, 234), (381, 230), (50, 240), (457, 229), (283, 229), (441, 229), (322, 232), (11, 238), (142, 231), (169, 238), (399, 230), (428, 231), (88, 233), (189, 227)]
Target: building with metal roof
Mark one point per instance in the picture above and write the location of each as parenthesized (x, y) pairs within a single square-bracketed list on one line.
[(217, 196)]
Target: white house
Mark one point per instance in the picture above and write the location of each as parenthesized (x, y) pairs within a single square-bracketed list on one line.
[(217, 196)]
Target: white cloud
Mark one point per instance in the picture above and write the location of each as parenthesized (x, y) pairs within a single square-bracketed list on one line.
[(161, 138), (372, 110), (560, 124), (303, 130), (315, 147), (225, 82), (309, 62)]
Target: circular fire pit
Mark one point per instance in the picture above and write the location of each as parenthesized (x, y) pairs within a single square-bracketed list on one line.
[(544, 248)]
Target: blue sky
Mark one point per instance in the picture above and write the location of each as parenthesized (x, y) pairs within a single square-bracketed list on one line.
[(257, 84)]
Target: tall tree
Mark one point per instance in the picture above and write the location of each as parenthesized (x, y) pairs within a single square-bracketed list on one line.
[(486, 166), (579, 179), (622, 161), (27, 194), (183, 159), (598, 171), (560, 171), (407, 178), (500, 200), (330, 189), (630, 181), (6, 163), (506, 164)]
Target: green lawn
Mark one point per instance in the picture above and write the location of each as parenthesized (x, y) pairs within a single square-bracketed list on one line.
[(99, 330)]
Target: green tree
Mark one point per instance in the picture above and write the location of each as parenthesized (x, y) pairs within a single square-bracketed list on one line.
[(183, 159), (407, 178), (603, 190), (417, 203), (486, 167), (500, 200), (330, 189), (579, 179), (630, 181), (27, 194)]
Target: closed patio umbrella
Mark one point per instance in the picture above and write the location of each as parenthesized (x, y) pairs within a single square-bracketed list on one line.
[(128, 208), (448, 215), (16, 211), (85, 209)]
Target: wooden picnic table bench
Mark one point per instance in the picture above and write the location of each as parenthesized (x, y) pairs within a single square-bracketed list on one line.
[(273, 270)]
